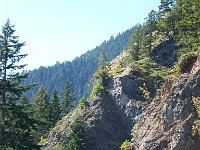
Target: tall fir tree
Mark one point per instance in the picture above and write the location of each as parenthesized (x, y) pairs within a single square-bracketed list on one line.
[(41, 108), (188, 35), (102, 59), (78, 139), (150, 27), (166, 19), (55, 111), (165, 7), (135, 42), (68, 99), (15, 123)]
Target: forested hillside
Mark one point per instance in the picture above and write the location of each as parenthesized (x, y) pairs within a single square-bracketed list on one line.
[(148, 97), (79, 71)]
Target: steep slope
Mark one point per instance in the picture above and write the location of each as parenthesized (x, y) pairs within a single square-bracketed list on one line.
[(107, 124), (79, 71), (111, 115), (167, 123), (130, 106), (165, 53)]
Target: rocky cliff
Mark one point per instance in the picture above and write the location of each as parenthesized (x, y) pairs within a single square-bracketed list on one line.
[(108, 125), (167, 122), (110, 116), (165, 53), (131, 106)]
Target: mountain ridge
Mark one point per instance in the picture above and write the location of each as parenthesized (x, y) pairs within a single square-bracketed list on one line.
[(78, 71)]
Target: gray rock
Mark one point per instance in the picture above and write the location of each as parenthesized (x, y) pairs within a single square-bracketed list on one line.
[(167, 122), (108, 125), (165, 53)]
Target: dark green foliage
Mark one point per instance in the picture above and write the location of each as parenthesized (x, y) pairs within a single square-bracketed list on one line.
[(55, 110), (187, 24), (78, 139), (150, 27), (166, 19), (41, 108), (20, 128), (102, 59), (68, 99), (16, 123), (135, 42), (82, 103), (99, 81), (80, 71), (165, 7)]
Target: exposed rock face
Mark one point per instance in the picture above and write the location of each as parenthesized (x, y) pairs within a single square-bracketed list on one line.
[(108, 125), (165, 123), (168, 120), (126, 92), (109, 117), (165, 53), (60, 133)]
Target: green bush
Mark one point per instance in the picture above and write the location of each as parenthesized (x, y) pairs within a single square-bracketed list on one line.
[(81, 104), (135, 129), (145, 91), (126, 145), (99, 82), (42, 140), (59, 147), (116, 69), (97, 90)]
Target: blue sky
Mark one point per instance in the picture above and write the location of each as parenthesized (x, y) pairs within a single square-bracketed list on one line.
[(59, 30)]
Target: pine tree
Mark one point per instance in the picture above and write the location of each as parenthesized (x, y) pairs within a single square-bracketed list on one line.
[(41, 108), (81, 103), (165, 7), (150, 27), (15, 123), (166, 21), (54, 108), (78, 139), (187, 24), (102, 60), (135, 43), (68, 99)]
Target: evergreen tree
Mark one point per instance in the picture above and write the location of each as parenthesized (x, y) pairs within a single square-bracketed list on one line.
[(166, 21), (54, 108), (165, 7), (78, 139), (15, 123), (188, 36), (150, 27), (68, 99), (41, 108), (82, 103), (135, 42), (102, 59)]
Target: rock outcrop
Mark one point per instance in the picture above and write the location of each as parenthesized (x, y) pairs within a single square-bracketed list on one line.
[(108, 125), (109, 117), (165, 53), (163, 123), (167, 122)]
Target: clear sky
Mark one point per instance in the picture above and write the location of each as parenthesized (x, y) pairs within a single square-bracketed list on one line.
[(59, 30)]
